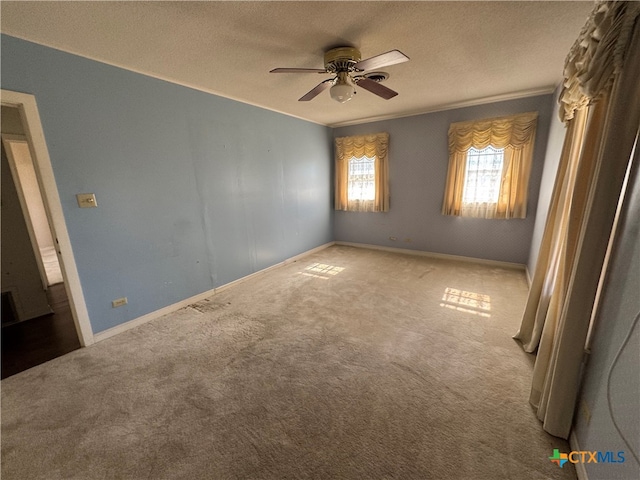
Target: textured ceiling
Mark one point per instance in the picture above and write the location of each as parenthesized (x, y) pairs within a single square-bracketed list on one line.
[(461, 52)]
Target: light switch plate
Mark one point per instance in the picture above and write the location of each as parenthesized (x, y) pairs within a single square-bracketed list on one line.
[(86, 200), (118, 302)]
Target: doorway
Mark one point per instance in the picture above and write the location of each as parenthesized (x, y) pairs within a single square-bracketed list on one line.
[(43, 310), (18, 156)]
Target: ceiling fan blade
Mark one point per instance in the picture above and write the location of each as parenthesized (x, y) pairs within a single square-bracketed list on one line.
[(375, 87), (321, 87), (383, 60), (297, 70)]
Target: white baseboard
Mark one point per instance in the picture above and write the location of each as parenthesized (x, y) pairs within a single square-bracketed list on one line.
[(581, 471), (123, 327), (446, 256), (98, 337), (526, 270)]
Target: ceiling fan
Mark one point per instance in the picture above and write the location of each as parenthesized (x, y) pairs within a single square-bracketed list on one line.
[(345, 64)]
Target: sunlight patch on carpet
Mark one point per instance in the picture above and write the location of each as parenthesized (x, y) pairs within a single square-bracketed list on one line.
[(321, 270), (467, 302)]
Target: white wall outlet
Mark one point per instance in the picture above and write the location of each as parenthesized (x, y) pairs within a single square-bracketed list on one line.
[(118, 302), (86, 200)]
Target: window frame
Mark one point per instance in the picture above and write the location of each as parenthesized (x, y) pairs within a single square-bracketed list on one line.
[(350, 178), (478, 197)]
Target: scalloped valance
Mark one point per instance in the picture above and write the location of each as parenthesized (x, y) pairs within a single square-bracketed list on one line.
[(597, 55), (515, 131), (373, 145)]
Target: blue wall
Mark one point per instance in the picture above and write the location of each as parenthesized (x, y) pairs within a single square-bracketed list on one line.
[(418, 159), (555, 142), (193, 190)]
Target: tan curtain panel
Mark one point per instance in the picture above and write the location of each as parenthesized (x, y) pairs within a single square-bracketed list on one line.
[(601, 105), (544, 283), (514, 133), (373, 145)]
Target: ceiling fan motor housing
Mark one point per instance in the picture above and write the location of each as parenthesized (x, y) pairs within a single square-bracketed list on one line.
[(341, 59)]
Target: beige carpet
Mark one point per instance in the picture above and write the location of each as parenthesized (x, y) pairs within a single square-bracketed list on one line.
[(347, 364)]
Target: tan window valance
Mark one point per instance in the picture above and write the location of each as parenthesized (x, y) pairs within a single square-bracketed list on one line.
[(362, 146), (514, 131), (597, 55)]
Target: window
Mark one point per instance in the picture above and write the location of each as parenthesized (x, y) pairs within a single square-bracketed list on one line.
[(362, 173), (482, 175), (489, 167), (361, 182)]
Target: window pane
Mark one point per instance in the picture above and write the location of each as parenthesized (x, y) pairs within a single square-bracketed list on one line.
[(483, 175), (361, 182)]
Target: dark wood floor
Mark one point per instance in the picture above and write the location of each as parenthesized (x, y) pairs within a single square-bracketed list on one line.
[(32, 342)]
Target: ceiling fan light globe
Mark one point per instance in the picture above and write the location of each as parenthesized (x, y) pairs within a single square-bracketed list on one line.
[(342, 92)]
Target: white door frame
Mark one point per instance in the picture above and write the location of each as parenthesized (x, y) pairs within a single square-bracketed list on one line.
[(26, 104)]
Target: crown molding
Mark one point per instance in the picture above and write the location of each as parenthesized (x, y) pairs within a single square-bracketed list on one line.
[(451, 106)]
